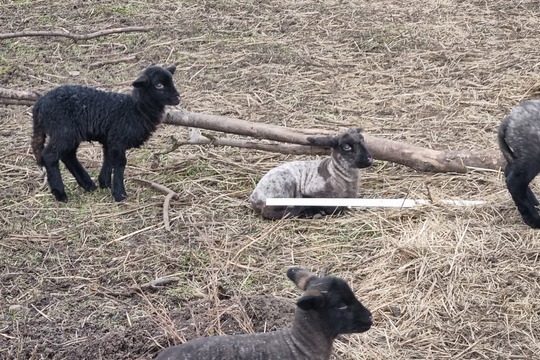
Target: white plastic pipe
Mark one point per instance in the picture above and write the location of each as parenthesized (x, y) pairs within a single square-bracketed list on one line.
[(357, 202)]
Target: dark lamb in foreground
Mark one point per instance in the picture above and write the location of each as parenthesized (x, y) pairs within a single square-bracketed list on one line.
[(519, 141), (333, 177), (70, 114), (327, 309)]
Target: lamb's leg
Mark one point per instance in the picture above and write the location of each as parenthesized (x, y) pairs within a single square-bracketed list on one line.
[(530, 194), (75, 167), (118, 163), (50, 160), (518, 177), (331, 210), (104, 178), (273, 212)]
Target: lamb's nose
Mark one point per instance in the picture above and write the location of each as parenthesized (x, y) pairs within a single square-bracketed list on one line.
[(370, 320)]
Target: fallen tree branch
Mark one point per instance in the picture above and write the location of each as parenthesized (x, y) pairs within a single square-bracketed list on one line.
[(276, 148), (8, 94), (413, 156), (170, 194), (416, 157), (76, 37)]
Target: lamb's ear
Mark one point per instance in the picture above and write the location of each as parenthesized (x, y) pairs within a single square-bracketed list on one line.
[(312, 300), (171, 69), (358, 130), (301, 277), (142, 81), (323, 141)]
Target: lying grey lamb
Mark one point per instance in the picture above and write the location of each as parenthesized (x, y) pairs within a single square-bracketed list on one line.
[(332, 177), (327, 308), (519, 141)]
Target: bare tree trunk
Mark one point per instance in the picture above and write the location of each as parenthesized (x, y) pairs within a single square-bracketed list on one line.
[(416, 157)]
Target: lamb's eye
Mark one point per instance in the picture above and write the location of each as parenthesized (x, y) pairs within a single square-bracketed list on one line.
[(346, 147), (159, 86)]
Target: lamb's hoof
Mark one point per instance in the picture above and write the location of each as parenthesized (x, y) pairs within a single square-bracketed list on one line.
[(90, 187), (119, 197), (60, 195), (318, 216), (532, 222)]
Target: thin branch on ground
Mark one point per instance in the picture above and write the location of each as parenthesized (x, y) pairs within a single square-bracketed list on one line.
[(75, 37), (170, 194)]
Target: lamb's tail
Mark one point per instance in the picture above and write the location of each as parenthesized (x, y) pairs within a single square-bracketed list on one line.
[(38, 136), (508, 153)]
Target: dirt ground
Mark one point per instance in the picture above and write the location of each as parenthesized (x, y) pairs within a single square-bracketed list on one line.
[(442, 282)]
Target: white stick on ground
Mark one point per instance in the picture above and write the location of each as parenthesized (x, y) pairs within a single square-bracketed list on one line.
[(356, 202)]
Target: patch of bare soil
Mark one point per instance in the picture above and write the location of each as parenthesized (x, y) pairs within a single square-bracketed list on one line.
[(143, 338)]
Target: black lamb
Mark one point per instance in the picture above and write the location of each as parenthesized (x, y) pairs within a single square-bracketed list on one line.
[(519, 141), (68, 115)]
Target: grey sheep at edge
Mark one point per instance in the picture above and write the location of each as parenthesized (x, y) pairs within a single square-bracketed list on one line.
[(70, 114), (333, 177), (327, 309), (519, 141)]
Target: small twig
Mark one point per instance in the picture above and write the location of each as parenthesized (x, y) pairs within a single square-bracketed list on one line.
[(7, 336), (156, 186), (175, 145), (156, 283), (138, 289), (166, 218), (69, 35), (5, 101), (129, 235), (41, 312), (170, 194), (112, 61), (44, 181)]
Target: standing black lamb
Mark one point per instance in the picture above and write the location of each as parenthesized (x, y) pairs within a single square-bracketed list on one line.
[(519, 141), (69, 115)]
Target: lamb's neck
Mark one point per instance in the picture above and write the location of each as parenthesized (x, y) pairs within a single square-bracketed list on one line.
[(151, 111), (340, 172), (310, 336)]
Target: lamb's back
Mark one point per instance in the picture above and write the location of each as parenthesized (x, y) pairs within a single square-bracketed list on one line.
[(522, 129), (286, 180), (264, 346), (93, 115)]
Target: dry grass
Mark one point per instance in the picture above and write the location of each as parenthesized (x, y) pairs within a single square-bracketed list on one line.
[(443, 282)]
